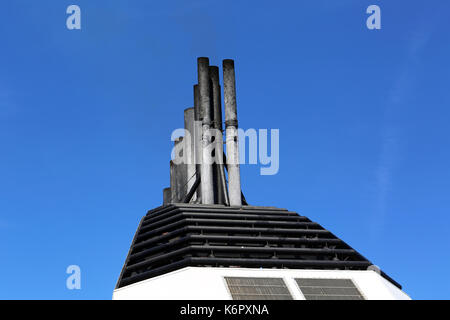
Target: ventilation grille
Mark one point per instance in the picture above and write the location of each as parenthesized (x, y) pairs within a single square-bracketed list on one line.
[(329, 289), (257, 288), (172, 237)]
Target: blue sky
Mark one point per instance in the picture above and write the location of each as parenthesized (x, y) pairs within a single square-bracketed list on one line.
[(86, 117)]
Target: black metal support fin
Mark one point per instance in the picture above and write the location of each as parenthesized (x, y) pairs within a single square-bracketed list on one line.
[(192, 191)]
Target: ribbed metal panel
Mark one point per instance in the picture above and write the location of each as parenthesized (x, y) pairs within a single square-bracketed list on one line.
[(329, 289), (175, 236), (245, 288)]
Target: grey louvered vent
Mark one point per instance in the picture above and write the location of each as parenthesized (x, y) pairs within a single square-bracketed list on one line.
[(244, 288), (329, 289)]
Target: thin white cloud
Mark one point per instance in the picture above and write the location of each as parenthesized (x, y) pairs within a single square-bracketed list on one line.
[(390, 151)]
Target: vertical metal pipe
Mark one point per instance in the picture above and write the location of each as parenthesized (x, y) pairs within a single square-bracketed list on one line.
[(180, 170), (173, 183), (197, 140), (219, 174), (167, 194), (205, 103), (231, 125), (189, 148)]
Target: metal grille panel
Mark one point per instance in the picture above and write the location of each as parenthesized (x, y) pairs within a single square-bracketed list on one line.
[(329, 289), (244, 288), (172, 237)]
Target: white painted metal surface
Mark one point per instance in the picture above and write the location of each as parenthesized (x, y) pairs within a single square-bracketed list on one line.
[(201, 283)]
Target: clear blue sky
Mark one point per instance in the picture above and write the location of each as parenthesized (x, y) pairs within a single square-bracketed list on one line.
[(86, 117)]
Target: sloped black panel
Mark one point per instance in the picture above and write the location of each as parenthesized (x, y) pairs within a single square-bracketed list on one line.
[(179, 235)]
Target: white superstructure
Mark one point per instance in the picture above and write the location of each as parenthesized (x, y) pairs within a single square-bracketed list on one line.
[(202, 283)]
